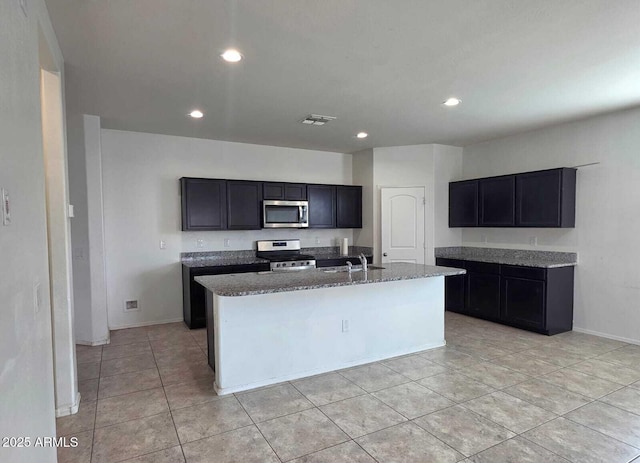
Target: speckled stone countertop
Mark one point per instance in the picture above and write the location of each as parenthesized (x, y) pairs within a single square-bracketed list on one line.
[(223, 258), (522, 257), (249, 284)]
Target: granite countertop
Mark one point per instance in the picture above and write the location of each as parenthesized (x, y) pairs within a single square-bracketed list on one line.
[(248, 284), (217, 261), (521, 257), (223, 258)]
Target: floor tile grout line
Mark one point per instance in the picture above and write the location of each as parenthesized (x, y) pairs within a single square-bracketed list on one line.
[(255, 425), (408, 420), (95, 416), (600, 432), (615, 406)]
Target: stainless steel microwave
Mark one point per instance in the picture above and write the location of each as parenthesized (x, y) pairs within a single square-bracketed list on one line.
[(285, 214)]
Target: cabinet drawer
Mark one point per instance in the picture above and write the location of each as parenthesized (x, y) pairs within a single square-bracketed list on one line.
[(531, 273), (482, 267), (455, 263)]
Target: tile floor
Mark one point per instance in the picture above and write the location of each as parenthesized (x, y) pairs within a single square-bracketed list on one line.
[(494, 394)]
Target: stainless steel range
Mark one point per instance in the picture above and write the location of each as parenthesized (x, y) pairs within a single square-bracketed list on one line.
[(285, 256)]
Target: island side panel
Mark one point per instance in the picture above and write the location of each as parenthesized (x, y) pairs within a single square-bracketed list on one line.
[(265, 339), (209, 302)]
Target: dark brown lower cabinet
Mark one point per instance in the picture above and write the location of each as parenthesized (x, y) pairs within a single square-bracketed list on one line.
[(535, 299), (194, 294)]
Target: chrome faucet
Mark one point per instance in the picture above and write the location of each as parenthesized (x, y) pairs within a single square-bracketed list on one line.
[(349, 266), (363, 261)]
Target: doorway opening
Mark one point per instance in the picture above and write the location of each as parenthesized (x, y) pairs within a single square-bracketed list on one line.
[(58, 232)]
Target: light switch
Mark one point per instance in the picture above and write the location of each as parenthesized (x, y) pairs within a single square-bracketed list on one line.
[(227, 242), (6, 208), (71, 211), (163, 244)]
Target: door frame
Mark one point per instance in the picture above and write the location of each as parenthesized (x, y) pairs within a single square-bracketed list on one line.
[(377, 251), (54, 148)]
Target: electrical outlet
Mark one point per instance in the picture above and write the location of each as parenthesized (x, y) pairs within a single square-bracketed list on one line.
[(345, 326), (227, 243), (317, 240), (483, 238), (200, 243), (533, 240), (163, 244)]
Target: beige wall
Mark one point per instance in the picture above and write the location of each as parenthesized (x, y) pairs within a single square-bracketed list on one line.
[(607, 285), (27, 403), (142, 206)]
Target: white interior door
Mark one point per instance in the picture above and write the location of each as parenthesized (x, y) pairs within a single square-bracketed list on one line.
[(402, 223)]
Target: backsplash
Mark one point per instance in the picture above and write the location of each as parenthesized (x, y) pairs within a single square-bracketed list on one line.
[(250, 253)]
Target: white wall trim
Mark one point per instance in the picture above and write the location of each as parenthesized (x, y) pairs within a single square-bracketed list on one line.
[(137, 325), (606, 335), (94, 343), (69, 409)]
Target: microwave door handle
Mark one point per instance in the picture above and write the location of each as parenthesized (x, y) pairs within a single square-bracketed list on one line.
[(300, 214)]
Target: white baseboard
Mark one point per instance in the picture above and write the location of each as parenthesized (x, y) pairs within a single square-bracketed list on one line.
[(137, 325), (69, 409), (94, 343), (606, 335)]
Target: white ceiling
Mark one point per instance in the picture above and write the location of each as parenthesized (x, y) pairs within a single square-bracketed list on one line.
[(383, 66)]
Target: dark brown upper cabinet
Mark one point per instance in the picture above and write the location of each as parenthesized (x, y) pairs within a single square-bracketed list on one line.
[(244, 205), (463, 204), (322, 206), (285, 191), (496, 198), (217, 204), (546, 198), (204, 204), (349, 207)]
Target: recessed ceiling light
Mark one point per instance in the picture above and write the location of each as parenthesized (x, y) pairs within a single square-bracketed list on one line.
[(362, 135), (196, 114), (452, 102), (231, 55)]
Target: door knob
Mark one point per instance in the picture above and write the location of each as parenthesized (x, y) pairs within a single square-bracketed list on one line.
[(384, 254)]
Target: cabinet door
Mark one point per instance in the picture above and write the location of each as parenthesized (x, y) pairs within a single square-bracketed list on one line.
[(546, 198), (463, 204), (349, 206), (322, 206), (483, 295), (272, 190), (454, 286), (243, 205), (497, 201), (204, 204), (295, 191), (523, 302), (284, 191)]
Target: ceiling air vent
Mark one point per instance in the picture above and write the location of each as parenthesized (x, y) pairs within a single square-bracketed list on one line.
[(316, 119)]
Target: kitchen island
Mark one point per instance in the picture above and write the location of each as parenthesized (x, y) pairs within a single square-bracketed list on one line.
[(268, 327)]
